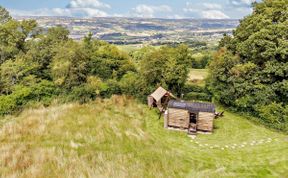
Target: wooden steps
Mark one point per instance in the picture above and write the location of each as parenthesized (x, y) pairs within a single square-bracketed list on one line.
[(192, 130)]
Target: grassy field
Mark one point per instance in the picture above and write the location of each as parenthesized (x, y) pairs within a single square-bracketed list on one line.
[(129, 48), (133, 47), (197, 76), (119, 137)]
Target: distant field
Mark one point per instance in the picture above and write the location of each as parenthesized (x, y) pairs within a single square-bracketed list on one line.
[(197, 76), (119, 137), (129, 48)]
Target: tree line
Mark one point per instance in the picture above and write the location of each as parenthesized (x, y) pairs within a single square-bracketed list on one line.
[(40, 65), (250, 71)]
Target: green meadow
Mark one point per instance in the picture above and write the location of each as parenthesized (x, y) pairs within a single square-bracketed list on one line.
[(119, 137)]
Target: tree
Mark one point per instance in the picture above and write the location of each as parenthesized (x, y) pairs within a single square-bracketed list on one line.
[(250, 70), (12, 72), (69, 65), (167, 67), (4, 15), (13, 37), (42, 50), (107, 61), (57, 35)]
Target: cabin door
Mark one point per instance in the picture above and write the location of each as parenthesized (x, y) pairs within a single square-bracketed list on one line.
[(193, 121)]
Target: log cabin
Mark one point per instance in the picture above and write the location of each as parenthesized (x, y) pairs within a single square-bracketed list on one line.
[(190, 116)]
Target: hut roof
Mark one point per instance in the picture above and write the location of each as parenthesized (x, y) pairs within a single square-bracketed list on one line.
[(159, 93), (192, 106)]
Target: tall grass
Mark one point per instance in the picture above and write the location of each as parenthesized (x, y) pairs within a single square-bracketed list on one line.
[(119, 137)]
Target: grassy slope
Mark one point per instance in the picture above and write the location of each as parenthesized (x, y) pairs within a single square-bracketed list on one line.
[(122, 138)]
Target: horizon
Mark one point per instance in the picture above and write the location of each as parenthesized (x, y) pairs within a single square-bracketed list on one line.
[(162, 9), (111, 17)]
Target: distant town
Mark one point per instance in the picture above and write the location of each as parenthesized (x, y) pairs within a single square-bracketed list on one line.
[(128, 31)]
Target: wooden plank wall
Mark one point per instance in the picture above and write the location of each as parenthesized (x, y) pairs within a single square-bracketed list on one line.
[(178, 118), (205, 121), (150, 101)]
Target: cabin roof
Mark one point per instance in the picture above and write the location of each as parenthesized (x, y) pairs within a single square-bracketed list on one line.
[(159, 93), (192, 106)]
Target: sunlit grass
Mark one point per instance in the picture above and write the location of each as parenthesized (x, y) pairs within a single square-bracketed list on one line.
[(119, 137), (198, 76)]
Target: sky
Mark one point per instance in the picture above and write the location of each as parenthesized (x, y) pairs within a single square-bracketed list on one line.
[(174, 9)]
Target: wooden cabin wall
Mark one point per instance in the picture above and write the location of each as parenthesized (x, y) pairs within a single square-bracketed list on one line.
[(178, 118), (205, 121), (150, 101)]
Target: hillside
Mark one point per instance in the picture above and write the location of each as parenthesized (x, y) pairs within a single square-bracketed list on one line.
[(119, 137), (141, 30)]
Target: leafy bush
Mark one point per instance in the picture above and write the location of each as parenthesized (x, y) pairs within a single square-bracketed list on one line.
[(82, 94), (44, 91), (198, 96), (202, 62), (114, 88), (97, 85), (193, 88), (7, 104), (275, 114), (129, 84), (196, 92), (11, 102)]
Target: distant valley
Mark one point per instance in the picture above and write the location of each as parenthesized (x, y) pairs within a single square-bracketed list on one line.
[(128, 31)]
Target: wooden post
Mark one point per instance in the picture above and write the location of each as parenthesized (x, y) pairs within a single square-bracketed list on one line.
[(166, 119)]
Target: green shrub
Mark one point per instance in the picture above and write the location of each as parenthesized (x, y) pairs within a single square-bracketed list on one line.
[(198, 96), (195, 92), (7, 104), (275, 115), (96, 84), (193, 88), (19, 97), (82, 94), (129, 84), (114, 88), (44, 91)]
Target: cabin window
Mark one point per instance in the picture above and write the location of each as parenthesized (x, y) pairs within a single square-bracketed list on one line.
[(193, 118)]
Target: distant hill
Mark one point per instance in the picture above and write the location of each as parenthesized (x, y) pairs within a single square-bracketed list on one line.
[(140, 30)]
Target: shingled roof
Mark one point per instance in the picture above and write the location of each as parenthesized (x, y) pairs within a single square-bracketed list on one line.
[(192, 106)]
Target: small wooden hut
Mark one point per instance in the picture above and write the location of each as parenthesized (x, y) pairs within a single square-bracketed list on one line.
[(159, 98), (191, 116)]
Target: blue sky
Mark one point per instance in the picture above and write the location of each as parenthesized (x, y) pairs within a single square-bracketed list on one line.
[(209, 9)]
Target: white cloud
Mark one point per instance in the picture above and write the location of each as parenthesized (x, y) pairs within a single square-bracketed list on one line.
[(205, 10), (40, 12), (148, 11), (214, 14), (176, 16), (190, 7), (242, 3), (92, 4), (83, 12), (212, 6), (83, 8), (90, 12)]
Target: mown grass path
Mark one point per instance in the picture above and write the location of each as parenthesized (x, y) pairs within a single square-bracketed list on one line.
[(122, 138)]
